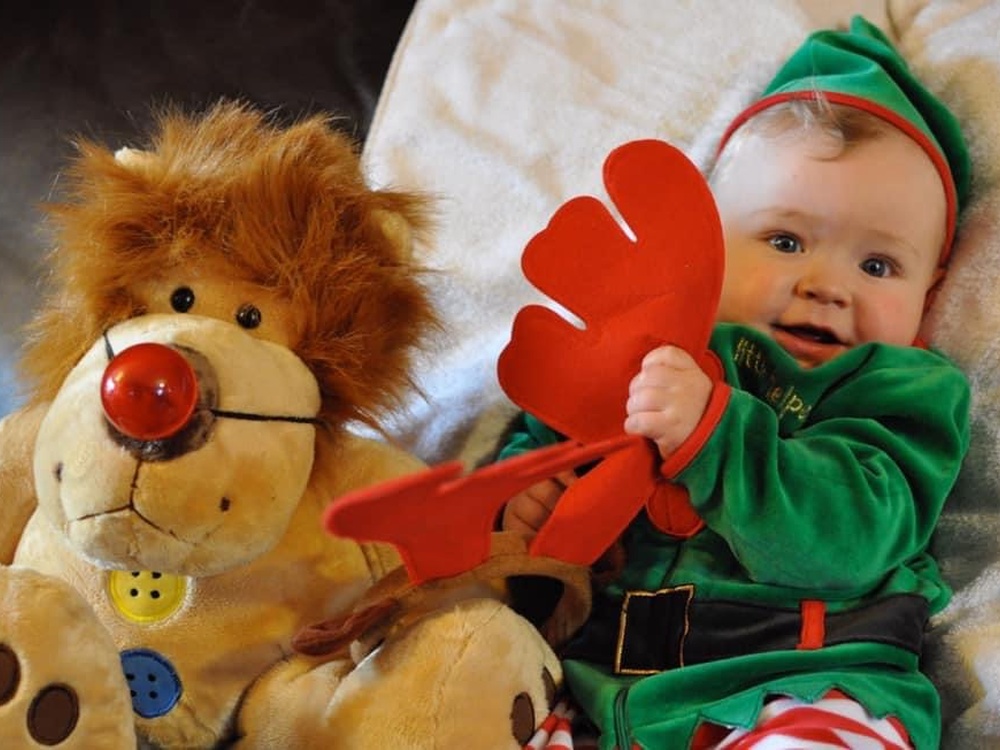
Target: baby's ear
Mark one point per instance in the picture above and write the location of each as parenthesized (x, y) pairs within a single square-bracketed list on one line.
[(932, 291), (938, 277), (397, 230)]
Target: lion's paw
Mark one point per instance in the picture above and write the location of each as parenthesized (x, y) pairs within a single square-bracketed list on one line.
[(61, 681)]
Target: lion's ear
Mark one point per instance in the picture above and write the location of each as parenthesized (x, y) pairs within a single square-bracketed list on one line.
[(397, 230)]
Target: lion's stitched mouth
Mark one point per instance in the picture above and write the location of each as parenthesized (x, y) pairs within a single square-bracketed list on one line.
[(126, 511), (123, 510), (251, 417)]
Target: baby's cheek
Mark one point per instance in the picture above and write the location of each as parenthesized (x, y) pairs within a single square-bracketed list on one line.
[(746, 300), (891, 318)]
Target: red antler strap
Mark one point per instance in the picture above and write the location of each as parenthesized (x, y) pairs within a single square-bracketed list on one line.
[(632, 294), (442, 522)]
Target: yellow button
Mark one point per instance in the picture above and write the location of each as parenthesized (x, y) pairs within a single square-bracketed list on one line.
[(145, 596)]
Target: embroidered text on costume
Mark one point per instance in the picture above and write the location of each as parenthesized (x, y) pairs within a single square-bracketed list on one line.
[(785, 399)]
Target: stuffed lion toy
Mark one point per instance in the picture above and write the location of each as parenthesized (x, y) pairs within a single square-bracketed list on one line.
[(226, 303)]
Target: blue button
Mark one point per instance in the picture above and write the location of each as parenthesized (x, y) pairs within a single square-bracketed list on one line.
[(154, 683)]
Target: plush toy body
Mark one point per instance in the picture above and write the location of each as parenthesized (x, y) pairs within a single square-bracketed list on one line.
[(226, 303), (201, 566)]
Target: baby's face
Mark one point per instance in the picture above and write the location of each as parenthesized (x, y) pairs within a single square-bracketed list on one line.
[(825, 252)]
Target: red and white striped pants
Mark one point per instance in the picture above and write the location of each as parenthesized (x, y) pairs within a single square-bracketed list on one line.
[(835, 722)]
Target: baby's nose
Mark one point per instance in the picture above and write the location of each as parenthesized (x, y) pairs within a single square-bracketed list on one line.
[(824, 285)]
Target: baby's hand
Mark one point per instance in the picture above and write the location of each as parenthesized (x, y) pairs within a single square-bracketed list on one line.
[(528, 511), (667, 398)]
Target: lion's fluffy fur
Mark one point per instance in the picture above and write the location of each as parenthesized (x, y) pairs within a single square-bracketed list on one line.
[(286, 208)]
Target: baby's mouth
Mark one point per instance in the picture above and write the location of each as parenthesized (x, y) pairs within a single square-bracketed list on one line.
[(811, 333)]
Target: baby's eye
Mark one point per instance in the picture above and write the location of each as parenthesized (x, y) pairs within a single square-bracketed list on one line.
[(785, 243), (877, 267)]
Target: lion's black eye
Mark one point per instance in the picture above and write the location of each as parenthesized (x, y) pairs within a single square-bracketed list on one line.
[(182, 299), (248, 316)]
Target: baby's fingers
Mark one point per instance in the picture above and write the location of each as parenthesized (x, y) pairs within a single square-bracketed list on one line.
[(528, 511), (649, 424), (672, 357)]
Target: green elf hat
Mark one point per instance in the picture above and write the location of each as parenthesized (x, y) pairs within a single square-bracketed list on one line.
[(860, 68)]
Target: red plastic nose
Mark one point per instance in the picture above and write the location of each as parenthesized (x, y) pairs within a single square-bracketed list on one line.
[(149, 391)]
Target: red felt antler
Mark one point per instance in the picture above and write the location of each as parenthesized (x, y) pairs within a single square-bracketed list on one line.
[(632, 294), (440, 521)]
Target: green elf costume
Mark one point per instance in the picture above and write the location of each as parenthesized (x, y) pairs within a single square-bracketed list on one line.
[(819, 490)]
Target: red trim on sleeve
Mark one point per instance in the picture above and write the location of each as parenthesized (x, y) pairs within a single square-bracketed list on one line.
[(686, 451)]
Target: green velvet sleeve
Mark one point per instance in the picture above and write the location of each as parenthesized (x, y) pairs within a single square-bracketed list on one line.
[(848, 489)]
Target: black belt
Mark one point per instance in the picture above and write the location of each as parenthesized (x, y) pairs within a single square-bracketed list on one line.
[(652, 631)]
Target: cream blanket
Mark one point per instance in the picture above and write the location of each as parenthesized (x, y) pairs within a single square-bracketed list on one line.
[(506, 108)]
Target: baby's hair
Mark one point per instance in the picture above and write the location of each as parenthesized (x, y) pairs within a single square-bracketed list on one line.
[(844, 127)]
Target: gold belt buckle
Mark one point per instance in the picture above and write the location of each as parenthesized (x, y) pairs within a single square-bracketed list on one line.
[(672, 603)]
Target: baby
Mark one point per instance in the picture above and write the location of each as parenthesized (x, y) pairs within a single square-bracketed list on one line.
[(796, 614)]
